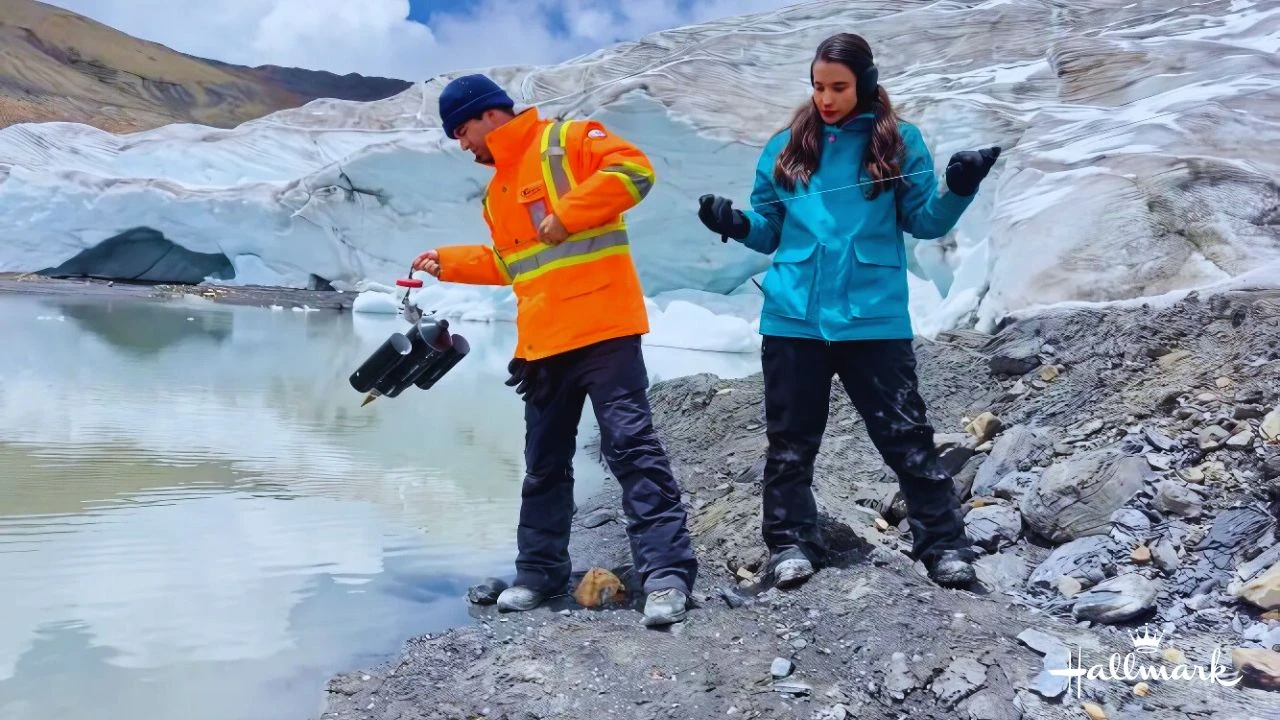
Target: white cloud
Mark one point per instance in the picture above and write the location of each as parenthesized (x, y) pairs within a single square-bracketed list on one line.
[(373, 37)]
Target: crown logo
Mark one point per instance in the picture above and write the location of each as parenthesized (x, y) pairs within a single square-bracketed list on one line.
[(1146, 643)]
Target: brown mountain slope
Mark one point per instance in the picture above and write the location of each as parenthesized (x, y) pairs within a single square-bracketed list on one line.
[(56, 65)]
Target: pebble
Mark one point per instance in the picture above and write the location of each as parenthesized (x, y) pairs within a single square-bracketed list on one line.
[(782, 667), (1241, 441), (1166, 558), (1176, 498), (1141, 554), (1094, 711), (1212, 437)]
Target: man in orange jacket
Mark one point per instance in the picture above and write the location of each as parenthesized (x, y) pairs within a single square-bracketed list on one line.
[(554, 210)]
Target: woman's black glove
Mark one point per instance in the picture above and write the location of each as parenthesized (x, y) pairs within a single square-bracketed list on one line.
[(718, 215), (529, 380), (967, 168)]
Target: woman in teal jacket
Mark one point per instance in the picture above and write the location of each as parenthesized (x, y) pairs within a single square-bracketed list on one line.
[(833, 195)]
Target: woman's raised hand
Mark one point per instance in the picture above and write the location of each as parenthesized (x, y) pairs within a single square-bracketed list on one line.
[(967, 168)]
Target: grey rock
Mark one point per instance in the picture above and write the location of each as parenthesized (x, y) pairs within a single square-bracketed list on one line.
[(486, 592), (1057, 656), (1159, 462), (1018, 445), (1271, 467), (899, 680), (1241, 441), (1129, 526), (1016, 357), (993, 527), (986, 705), (792, 687), (1212, 438), (959, 680), (966, 475), (1117, 600), (1003, 572), (1177, 498), (1249, 395), (598, 518), (1090, 559), (782, 667), (1159, 440), (1248, 412), (1200, 602), (1164, 556), (1014, 486), (1077, 496)]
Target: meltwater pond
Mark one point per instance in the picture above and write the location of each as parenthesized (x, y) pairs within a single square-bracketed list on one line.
[(199, 521)]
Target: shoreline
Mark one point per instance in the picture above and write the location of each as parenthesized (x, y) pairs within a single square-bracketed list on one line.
[(32, 284)]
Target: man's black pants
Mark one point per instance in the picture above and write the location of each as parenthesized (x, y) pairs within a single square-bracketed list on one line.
[(612, 373), (880, 378)]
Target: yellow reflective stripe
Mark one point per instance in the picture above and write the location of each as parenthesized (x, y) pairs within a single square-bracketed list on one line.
[(552, 255), (638, 180), (573, 260)]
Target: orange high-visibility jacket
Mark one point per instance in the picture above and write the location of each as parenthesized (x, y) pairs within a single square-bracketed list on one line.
[(585, 289)]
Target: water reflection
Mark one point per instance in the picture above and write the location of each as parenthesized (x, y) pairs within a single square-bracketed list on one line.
[(199, 520)]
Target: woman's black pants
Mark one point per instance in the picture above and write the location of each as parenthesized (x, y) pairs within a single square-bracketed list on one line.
[(880, 378)]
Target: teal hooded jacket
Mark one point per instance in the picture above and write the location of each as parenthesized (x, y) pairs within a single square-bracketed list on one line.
[(839, 267)]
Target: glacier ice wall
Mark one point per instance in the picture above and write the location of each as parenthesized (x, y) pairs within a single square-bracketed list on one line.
[(1141, 141)]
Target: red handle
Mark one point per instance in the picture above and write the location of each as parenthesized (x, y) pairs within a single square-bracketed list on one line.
[(409, 282)]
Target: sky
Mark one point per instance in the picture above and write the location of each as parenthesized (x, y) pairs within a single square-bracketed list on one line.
[(405, 39)]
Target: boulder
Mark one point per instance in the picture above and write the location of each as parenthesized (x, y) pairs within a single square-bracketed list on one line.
[(1090, 559), (993, 527), (1117, 600), (1078, 496)]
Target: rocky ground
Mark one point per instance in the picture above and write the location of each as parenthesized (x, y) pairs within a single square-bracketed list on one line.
[(1120, 470)]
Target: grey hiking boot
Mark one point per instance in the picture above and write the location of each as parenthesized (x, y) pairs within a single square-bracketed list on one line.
[(951, 568), (664, 607), (792, 572), (519, 599)]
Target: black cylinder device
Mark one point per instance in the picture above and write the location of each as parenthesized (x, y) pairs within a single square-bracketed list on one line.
[(418, 357)]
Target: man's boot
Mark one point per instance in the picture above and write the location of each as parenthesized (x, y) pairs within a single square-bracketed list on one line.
[(951, 568), (664, 607), (519, 599)]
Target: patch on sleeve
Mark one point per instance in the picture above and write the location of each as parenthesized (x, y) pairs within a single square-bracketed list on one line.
[(595, 133)]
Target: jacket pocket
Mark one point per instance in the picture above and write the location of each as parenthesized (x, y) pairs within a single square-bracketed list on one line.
[(877, 285), (884, 251), (789, 283)]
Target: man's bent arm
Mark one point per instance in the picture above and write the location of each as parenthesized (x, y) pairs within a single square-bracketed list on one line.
[(472, 265), (621, 176)]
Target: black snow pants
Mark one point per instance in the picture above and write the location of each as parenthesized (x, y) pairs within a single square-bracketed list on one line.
[(880, 379), (612, 373)]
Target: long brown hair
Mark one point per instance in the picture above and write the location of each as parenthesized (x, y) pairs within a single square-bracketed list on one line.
[(882, 160)]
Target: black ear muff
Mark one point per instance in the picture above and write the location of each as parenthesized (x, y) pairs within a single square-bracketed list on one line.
[(868, 81)]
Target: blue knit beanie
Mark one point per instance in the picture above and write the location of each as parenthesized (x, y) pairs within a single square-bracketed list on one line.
[(467, 97)]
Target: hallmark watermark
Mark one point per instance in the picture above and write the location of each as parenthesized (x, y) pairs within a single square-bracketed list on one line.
[(1133, 666)]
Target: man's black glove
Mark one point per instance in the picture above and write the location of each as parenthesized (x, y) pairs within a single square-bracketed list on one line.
[(529, 380), (718, 215), (967, 168)]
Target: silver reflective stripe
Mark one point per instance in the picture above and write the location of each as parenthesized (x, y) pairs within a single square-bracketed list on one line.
[(537, 212), (553, 160), (642, 183), (567, 249)]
